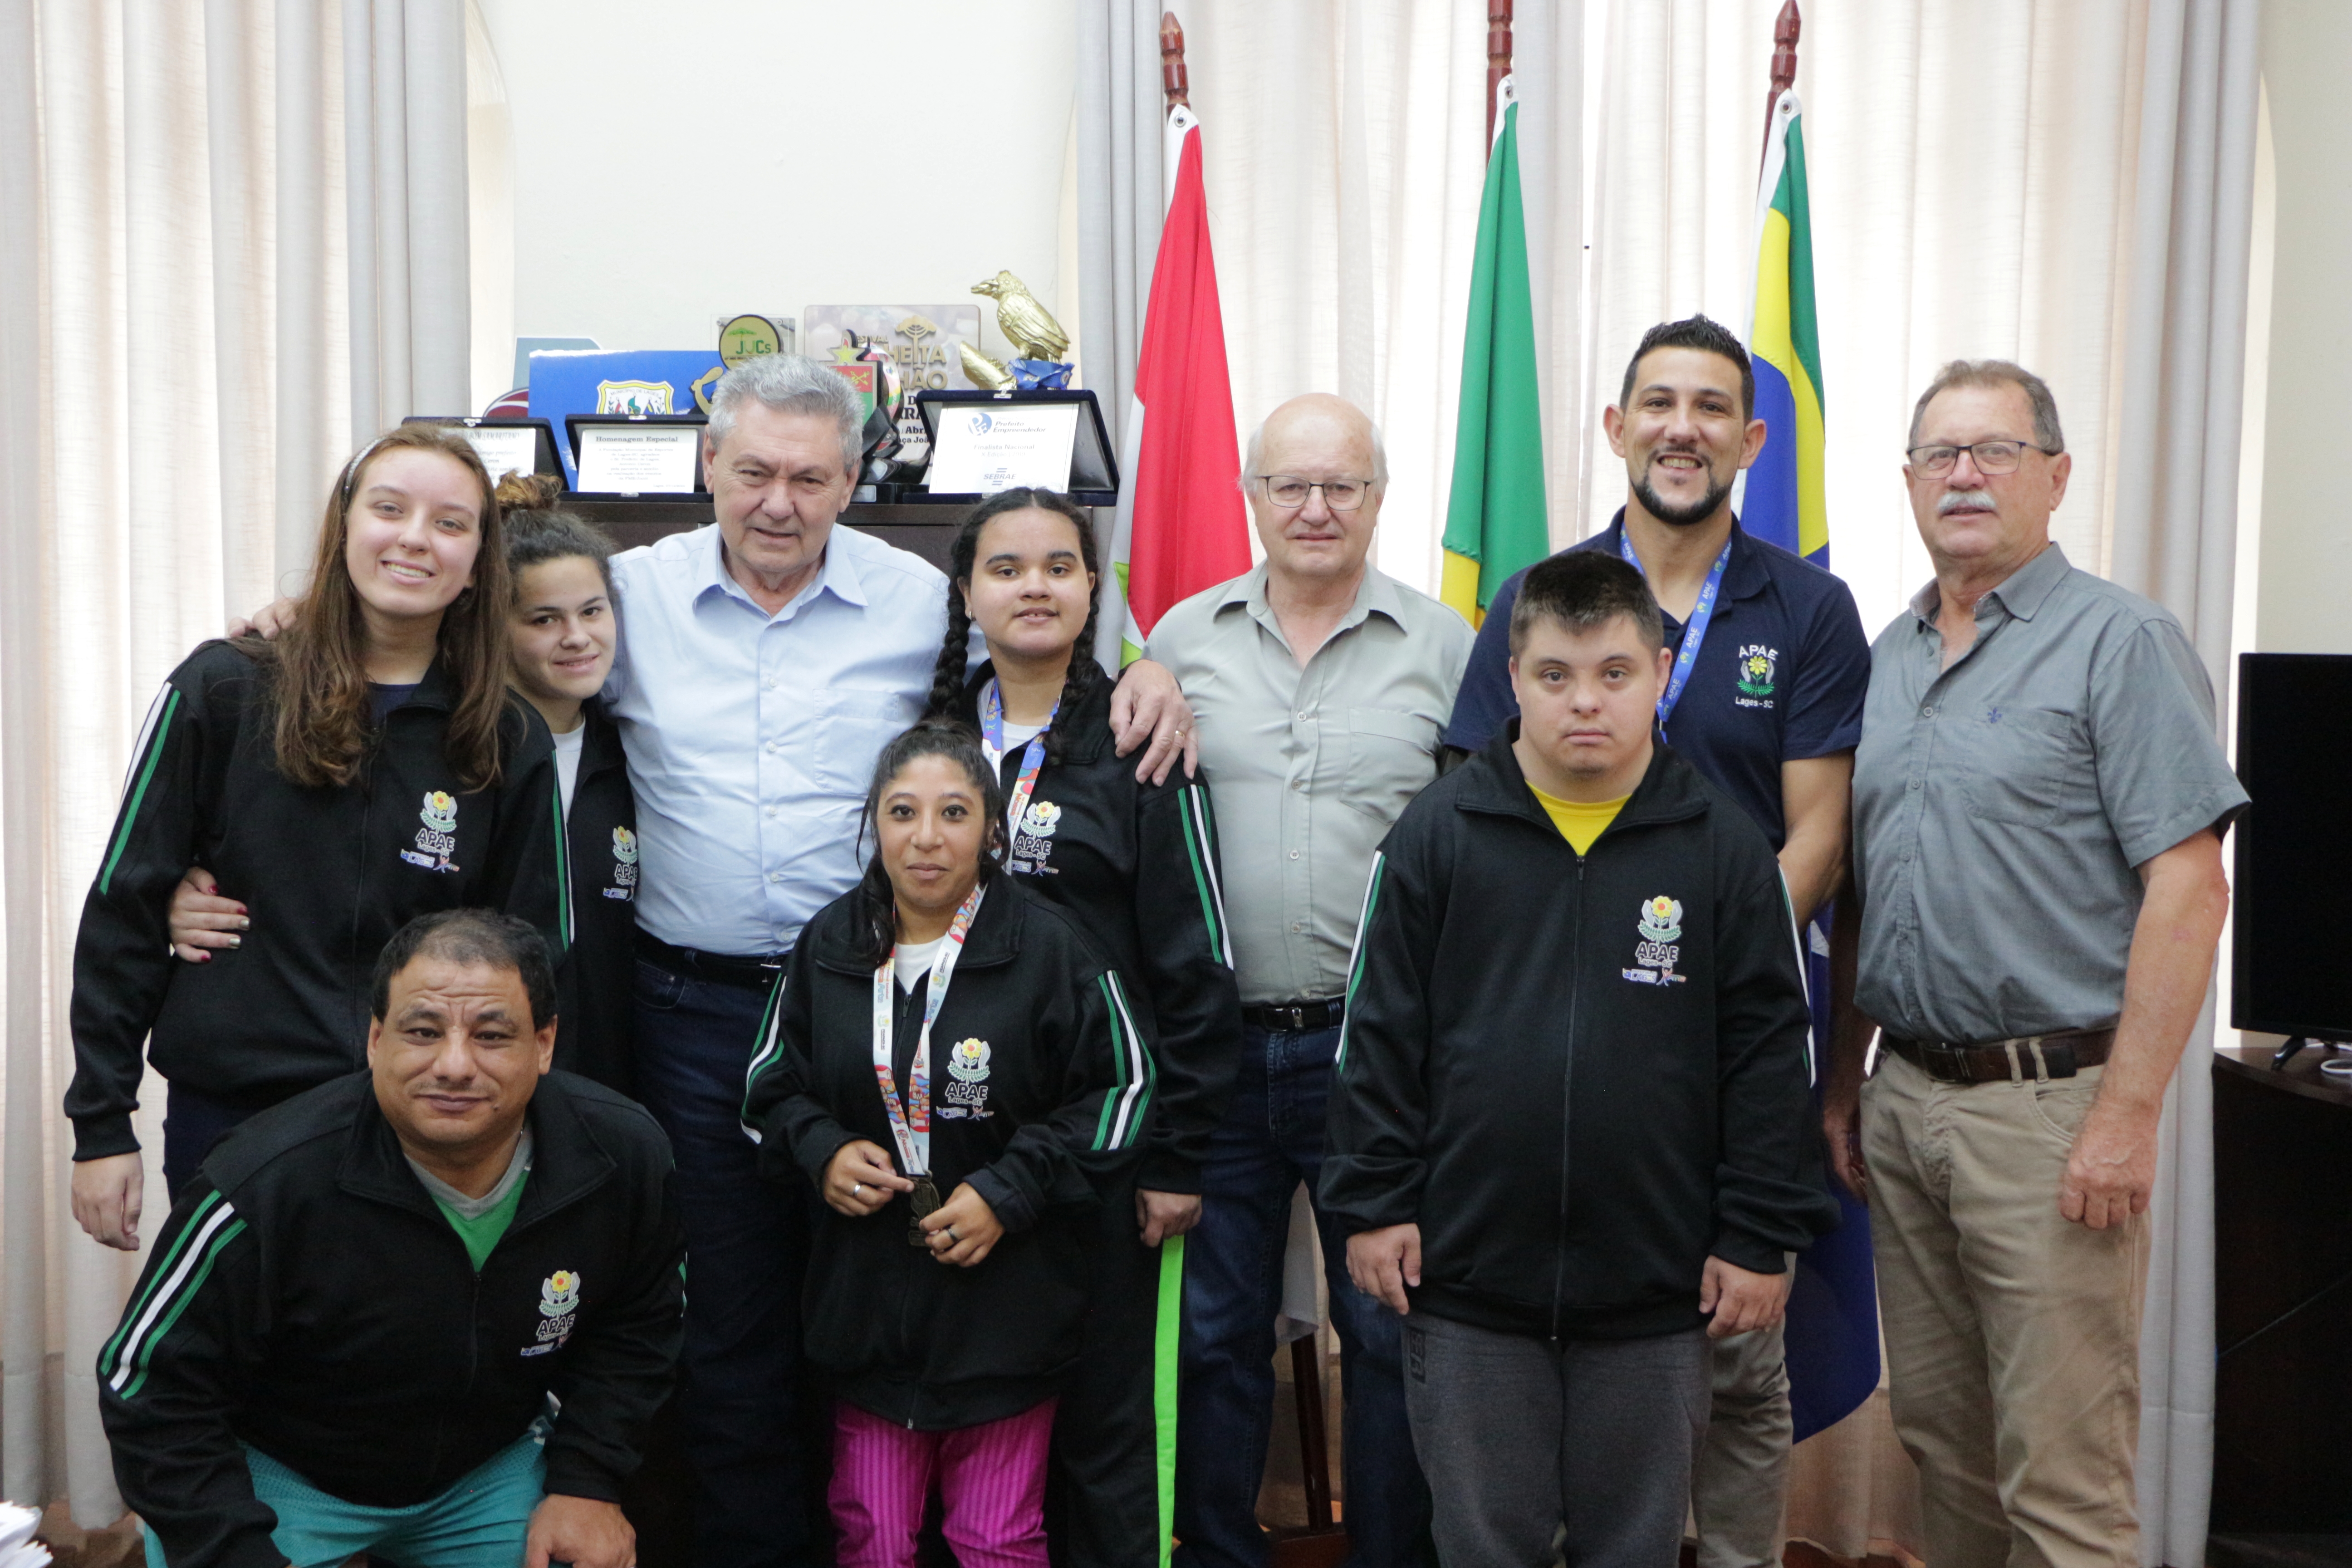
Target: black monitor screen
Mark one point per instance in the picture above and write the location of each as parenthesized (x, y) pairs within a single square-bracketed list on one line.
[(2291, 951)]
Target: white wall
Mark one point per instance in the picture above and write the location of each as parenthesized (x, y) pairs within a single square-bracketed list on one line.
[(2303, 598), (675, 163)]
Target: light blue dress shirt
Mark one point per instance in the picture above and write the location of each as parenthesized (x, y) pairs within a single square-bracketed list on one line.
[(752, 738)]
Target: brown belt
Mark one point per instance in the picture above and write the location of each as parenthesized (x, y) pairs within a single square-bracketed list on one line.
[(2028, 1057)]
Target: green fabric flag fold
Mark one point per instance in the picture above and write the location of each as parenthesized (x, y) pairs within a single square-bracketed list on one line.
[(1495, 521)]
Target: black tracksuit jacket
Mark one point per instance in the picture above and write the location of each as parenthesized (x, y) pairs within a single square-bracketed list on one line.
[(1135, 866), (1576, 1092), (596, 1009), (1063, 1093), (328, 872), (306, 1297)]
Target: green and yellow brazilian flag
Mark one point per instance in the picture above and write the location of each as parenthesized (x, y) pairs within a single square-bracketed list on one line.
[(1495, 516)]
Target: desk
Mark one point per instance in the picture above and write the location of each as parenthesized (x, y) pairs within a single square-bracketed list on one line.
[(2281, 1296)]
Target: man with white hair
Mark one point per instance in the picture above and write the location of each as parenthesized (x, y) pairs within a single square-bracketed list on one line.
[(1323, 687), (763, 664)]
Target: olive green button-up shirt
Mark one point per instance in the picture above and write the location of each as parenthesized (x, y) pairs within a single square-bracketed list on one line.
[(2002, 808), (1308, 767)]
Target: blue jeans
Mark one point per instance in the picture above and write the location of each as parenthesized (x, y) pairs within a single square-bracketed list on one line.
[(1270, 1141), (743, 1401), (193, 1124)]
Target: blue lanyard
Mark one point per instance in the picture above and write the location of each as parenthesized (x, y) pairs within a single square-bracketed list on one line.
[(1694, 630), (1032, 756)]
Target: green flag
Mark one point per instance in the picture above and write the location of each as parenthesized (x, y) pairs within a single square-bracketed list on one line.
[(1495, 516)]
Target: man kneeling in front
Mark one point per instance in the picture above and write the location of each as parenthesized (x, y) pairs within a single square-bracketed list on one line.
[(423, 1310), (1569, 1129)]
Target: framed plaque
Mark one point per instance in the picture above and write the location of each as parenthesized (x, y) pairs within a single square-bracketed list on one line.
[(979, 450), (638, 454), (982, 442), (505, 445)]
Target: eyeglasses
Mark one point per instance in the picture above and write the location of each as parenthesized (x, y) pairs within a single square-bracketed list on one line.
[(1991, 457), (1290, 492)]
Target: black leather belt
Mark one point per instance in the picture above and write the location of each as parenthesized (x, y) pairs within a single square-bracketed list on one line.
[(724, 969), (1292, 1016), (2027, 1057)]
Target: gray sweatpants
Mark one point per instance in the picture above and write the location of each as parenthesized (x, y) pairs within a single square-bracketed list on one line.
[(1522, 1438)]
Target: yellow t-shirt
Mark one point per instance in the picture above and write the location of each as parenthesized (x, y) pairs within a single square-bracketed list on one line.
[(1581, 822)]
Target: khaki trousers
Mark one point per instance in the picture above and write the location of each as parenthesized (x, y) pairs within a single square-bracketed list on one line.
[(2013, 1336), (1740, 1478)]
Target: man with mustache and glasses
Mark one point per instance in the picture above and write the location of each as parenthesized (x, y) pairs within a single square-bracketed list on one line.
[(1765, 700), (2039, 805)]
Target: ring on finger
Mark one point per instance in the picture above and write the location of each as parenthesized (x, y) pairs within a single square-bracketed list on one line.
[(856, 1188)]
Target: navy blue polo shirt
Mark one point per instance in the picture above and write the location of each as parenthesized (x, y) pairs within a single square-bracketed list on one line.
[(1780, 677)]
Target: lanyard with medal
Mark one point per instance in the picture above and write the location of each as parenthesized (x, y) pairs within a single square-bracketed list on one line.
[(1694, 630), (1032, 756), (911, 1120)]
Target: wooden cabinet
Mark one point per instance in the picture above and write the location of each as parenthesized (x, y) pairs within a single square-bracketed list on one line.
[(2282, 1296)]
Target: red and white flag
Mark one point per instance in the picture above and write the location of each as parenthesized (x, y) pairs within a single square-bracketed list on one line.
[(1182, 524)]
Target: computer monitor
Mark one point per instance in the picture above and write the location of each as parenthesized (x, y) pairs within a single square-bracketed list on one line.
[(2291, 951)]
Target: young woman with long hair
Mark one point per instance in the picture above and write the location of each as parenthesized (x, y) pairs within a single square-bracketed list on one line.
[(1135, 866), (951, 1065), (367, 766)]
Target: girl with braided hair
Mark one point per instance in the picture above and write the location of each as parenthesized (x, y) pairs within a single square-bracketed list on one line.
[(1135, 865)]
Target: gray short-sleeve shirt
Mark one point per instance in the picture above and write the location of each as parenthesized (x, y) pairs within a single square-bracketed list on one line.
[(1308, 768), (2001, 807)]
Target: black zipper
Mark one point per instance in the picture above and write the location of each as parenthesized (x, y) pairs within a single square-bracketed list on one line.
[(1567, 1080), (473, 1342)]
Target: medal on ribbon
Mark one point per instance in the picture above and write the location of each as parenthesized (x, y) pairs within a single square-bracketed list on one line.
[(910, 1117)]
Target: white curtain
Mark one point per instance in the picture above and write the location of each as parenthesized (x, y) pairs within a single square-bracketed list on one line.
[(178, 222), (1120, 199), (1344, 148), (2176, 540), (405, 129)]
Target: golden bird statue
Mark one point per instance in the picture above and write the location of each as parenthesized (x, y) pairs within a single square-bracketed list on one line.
[(1026, 324), (981, 370)]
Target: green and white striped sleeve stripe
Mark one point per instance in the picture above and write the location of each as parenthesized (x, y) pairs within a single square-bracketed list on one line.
[(1356, 956), (1122, 1113), (1201, 843), (770, 1050), (564, 913), (153, 731), (169, 1288)]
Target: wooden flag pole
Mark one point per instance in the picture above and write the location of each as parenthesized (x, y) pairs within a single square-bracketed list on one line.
[(1498, 56), (1174, 82), (1784, 71)]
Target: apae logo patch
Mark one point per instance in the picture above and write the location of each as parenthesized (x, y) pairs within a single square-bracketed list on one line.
[(1660, 928), (1033, 840), (438, 840), (559, 1310), (967, 1097), (1758, 673), (625, 865)]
